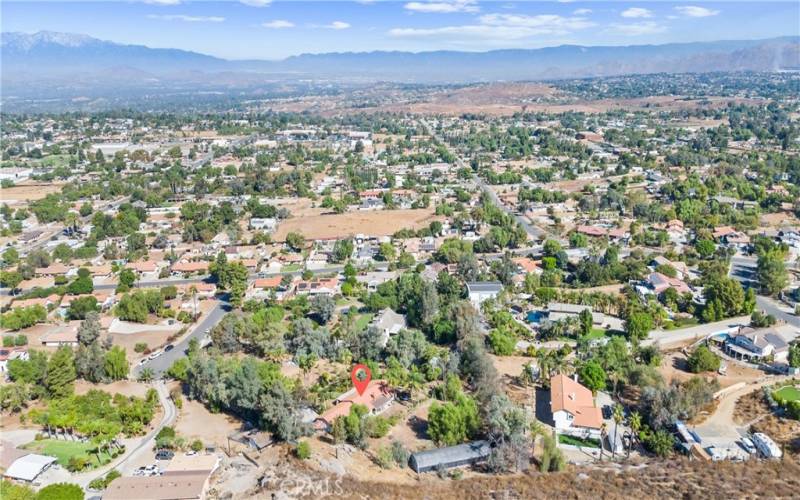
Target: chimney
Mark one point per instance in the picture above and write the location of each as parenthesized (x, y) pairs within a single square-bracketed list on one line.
[(575, 377)]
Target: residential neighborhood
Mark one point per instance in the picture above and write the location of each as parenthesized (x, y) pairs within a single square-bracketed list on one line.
[(578, 279)]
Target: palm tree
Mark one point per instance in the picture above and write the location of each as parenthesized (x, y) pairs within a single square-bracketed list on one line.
[(618, 417), (146, 375), (193, 294), (71, 221), (635, 421), (602, 438)]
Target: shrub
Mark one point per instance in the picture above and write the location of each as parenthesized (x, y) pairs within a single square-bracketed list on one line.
[(102, 483), (399, 453), (140, 347), (384, 458), (8, 341), (303, 450), (703, 360), (77, 463), (197, 445), (21, 340), (60, 491), (177, 398), (377, 427)]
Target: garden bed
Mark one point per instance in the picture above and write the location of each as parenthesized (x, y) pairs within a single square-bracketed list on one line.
[(576, 441)]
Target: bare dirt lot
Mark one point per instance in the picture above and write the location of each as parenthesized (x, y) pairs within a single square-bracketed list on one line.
[(196, 422), (378, 223), (28, 192), (124, 387), (673, 367)]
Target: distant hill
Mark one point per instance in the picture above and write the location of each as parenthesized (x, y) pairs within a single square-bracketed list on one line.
[(63, 57), (48, 54)]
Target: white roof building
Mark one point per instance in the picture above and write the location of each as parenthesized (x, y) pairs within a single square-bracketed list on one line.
[(29, 467)]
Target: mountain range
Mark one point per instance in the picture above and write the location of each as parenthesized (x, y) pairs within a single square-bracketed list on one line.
[(71, 59)]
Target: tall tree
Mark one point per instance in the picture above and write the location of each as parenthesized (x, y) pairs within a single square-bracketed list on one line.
[(61, 373)]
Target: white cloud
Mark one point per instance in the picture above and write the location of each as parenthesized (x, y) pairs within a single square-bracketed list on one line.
[(549, 22), (256, 3), (443, 7), (278, 24), (582, 12), (638, 29), (499, 28), (188, 19), (637, 12), (337, 25), (695, 11), (163, 2)]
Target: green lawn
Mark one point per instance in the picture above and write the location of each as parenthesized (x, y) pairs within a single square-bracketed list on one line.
[(362, 321), (575, 441), (64, 450), (788, 393), (596, 333), (290, 268), (680, 323)]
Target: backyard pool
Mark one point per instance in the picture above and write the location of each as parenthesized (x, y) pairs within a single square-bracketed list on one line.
[(535, 317)]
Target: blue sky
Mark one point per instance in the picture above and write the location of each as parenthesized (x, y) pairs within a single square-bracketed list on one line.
[(274, 29)]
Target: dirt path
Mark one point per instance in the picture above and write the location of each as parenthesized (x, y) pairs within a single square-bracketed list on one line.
[(721, 422)]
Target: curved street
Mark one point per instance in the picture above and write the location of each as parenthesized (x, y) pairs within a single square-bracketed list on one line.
[(123, 464)]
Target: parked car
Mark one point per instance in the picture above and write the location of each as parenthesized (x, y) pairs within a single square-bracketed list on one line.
[(748, 445), (169, 348), (164, 455), (155, 355), (143, 361)]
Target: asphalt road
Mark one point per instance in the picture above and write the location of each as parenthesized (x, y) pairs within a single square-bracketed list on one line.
[(743, 269), (533, 231), (778, 310), (668, 337), (162, 363)]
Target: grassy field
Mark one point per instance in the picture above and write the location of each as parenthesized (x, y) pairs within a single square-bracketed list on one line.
[(788, 393), (64, 450), (362, 321), (576, 441)]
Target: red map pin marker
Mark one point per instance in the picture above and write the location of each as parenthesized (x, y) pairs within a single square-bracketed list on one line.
[(360, 375)]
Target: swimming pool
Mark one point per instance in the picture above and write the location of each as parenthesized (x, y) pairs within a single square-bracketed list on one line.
[(534, 317)]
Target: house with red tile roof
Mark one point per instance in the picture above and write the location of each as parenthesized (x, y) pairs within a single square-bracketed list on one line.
[(573, 407), (659, 283), (722, 231), (527, 265), (200, 266), (377, 397)]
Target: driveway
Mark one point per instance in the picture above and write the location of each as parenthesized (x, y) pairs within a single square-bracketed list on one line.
[(719, 428), (125, 464)]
